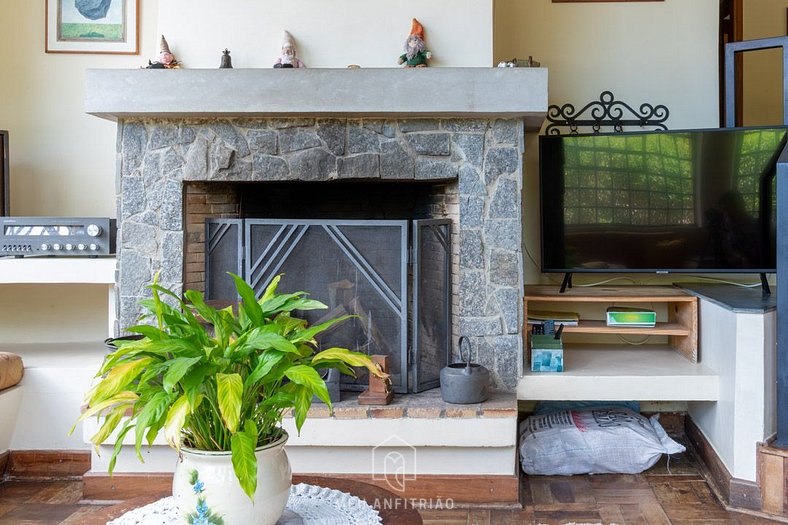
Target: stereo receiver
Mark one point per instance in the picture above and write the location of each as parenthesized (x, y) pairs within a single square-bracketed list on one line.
[(57, 236)]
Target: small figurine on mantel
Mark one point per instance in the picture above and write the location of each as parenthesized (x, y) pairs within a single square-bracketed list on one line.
[(165, 59), (289, 57), (227, 62), (416, 53)]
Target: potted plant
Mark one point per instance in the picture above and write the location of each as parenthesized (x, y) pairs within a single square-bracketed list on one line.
[(217, 384)]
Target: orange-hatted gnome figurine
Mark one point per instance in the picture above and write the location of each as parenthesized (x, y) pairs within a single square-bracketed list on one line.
[(289, 57), (165, 59), (416, 53)]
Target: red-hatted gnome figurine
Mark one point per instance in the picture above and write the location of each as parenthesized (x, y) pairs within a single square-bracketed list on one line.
[(416, 53)]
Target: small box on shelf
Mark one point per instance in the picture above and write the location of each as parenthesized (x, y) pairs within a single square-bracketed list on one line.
[(547, 349)]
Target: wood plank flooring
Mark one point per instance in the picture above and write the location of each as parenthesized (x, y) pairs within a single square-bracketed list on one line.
[(661, 496)]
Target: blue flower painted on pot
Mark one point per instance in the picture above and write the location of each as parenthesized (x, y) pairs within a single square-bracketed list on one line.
[(203, 515)]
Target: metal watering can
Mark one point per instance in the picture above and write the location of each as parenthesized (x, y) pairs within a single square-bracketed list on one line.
[(464, 382)]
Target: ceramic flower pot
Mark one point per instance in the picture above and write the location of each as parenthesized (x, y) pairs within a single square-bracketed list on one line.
[(207, 491)]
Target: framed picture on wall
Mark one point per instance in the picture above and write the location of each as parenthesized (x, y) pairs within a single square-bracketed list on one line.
[(92, 26)]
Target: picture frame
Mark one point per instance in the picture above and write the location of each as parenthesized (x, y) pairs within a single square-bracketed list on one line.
[(92, 26)]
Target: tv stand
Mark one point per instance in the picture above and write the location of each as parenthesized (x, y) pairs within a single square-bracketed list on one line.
[(597, 367), (566, 282), (765, 290)]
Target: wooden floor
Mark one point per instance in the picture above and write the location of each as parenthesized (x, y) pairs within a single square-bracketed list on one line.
[(660, 496)]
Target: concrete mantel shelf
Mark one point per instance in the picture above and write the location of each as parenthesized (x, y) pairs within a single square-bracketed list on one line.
[(419, 92)]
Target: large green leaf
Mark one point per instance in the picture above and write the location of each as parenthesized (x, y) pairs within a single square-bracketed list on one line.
[(310, 333), (118, 379), (308, 377), (270, 290), (262, 339), (249, 302), (242, 446), (176, 417), (267, 362), (348, 357), (121, 399), (177, 369), (229, 390), (110, 424), (303, 400), (152, 412)]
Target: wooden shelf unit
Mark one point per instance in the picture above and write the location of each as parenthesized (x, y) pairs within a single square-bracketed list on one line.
[(600, 371), (681, 327)]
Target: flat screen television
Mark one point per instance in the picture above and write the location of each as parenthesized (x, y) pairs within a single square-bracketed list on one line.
[(4, 197), (662, 201)]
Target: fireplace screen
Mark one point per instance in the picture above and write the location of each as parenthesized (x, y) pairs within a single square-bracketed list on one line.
[(357, 268)]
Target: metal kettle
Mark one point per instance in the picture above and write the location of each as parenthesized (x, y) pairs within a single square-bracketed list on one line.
[(464, 382)]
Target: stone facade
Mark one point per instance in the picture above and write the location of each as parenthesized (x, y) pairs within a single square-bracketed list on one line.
[(478, 160)]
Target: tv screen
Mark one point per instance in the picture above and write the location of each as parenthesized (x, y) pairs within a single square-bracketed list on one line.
[(664, 201), (4, 197)]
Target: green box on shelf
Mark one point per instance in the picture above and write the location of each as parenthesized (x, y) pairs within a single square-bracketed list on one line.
[(628, 316), (547, 354)]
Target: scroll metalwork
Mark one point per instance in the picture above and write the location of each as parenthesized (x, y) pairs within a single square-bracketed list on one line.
[(605, 112)]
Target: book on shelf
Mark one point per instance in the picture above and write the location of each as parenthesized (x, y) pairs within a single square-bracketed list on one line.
[(565, 318)]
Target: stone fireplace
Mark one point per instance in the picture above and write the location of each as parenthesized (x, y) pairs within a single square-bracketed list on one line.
[(460, 159)]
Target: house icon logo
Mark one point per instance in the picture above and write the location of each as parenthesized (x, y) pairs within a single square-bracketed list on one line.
[(394, 461)]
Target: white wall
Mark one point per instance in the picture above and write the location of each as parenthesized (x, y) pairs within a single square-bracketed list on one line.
[(655, 52), (62, 162), (740, 348), (369, 33)]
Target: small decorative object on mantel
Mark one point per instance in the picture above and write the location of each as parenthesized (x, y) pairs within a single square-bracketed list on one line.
[(227, 62), (379, 391), (416, 53), (464, 382), (530, 62), (165, 59), (289, 57)]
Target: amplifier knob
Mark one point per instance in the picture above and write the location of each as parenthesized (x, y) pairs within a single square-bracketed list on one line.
[(94, 230), (44, 247), (93, 247), (69, 247), (81, 247), (56, 247)]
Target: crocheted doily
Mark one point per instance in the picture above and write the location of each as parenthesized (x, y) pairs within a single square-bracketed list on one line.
[(307, 505)]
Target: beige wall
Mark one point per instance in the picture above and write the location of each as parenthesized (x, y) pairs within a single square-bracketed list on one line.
[(62, 162), (763, 70), (336, 33), (656, 52)]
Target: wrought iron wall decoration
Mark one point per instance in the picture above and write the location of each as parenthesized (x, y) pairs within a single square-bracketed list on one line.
[(607, 111)]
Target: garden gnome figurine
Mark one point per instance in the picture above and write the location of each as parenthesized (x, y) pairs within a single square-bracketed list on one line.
[(288, 57), (416, 53), (165, 59)]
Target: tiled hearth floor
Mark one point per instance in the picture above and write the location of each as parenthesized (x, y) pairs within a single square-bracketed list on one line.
[(680, 496)]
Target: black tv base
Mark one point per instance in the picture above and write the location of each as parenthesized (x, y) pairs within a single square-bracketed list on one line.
[(566, 282), (766, 291)]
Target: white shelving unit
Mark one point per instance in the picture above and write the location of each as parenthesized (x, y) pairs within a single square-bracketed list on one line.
[(77, 270), (616, 372)]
